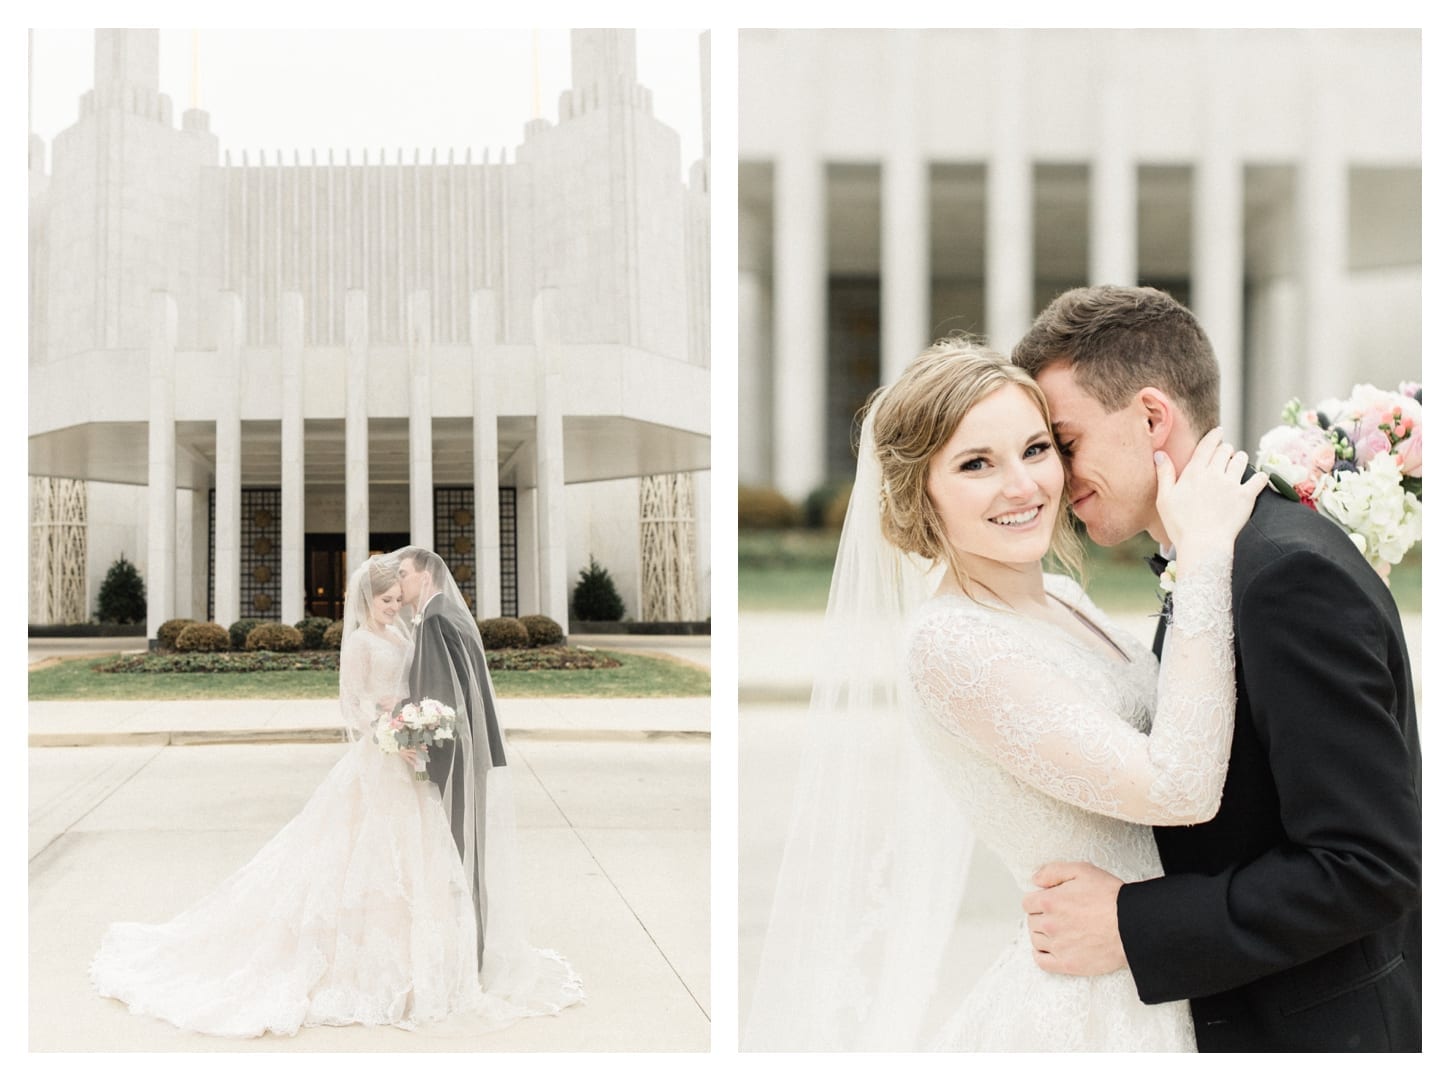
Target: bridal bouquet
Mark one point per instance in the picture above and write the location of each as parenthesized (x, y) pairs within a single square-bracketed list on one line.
[(415, 726), (1358, 463)]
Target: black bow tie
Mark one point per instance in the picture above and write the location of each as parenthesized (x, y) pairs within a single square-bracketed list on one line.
[(1156, 563)]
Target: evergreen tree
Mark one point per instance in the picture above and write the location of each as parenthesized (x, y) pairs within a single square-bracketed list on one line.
[(122, 598), (595, 598)]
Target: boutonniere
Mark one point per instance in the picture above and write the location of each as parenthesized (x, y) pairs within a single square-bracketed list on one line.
[(1169, 578), (418, 619)]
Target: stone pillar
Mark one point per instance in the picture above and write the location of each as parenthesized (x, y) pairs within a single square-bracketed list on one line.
[(487, 558), (227, 561), (1009, 201), (420, 420), (161, 465), (1325, 363), (1218, 242), (553, 557), (905, 218), (294, 499), (799, 361), (355, 427), (1113, 216)]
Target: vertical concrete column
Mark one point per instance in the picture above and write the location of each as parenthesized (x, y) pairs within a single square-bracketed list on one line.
[(294, 500), (1009, 201), (355, 427), (227, 588), (420, 420), (186, 535), (549, 447), (1113, 184), (1218, 240), (799, 363), (161, 464), (1326, 366), (905, 217), (487, 558)]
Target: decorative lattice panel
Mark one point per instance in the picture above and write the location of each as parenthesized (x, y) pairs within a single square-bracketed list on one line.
[(667, 547), (453, 535), (261, 555), (57, 550)]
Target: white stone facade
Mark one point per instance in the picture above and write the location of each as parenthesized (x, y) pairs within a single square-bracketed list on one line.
[(366, 346), (898, 185)]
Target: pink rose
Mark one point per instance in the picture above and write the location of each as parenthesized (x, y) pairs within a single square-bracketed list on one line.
[(1321, 458), (1371, 447), (1410, 455), (396, 723), (1305, 491)]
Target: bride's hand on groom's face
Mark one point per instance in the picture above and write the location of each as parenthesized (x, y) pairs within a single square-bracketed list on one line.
[(1073, 920)]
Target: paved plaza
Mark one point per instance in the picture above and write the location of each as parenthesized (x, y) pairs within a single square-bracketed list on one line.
[(137, 809)]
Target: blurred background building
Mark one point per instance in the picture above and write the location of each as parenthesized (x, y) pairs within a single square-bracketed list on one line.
[(246, 375), (898, 185)]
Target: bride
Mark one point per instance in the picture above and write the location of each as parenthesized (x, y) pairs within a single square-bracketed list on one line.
[(359, 911), (1032, 723)]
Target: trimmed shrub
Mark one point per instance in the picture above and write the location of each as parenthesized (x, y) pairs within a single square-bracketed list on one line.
[(834, 516), (167, 632), (816, 509), (123, 595), (765, 508), (595, 598), (275, 637), (543, 631), (332, 637), (239, 630), (503, 633), (203, 638), (313, 628)]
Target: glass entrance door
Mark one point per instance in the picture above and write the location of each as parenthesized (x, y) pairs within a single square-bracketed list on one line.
[(326, 561)]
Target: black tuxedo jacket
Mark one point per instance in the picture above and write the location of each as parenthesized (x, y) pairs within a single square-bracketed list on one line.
[(1291, 921)]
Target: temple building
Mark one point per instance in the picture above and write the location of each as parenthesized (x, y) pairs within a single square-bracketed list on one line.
[(248, 373), (895, 186)]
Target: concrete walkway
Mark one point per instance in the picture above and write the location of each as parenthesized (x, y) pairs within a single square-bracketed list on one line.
[(137, 809)]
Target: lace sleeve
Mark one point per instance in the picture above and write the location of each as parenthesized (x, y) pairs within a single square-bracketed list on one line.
[(1011, 699), (354, 670)]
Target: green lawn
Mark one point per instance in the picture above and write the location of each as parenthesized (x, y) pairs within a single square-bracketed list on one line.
[(636, 677), (790, 570)]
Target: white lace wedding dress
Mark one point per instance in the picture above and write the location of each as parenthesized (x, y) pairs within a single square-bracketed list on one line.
[(358, 911), (1043, 740)]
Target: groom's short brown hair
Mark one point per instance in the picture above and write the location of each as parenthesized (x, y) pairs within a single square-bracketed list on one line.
[(429, 563), (1118, 340)]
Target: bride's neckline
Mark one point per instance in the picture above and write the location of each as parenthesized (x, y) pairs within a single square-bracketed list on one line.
[(1119, 654)]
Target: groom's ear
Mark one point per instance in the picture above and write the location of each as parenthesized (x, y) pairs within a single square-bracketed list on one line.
[(1160, 414)]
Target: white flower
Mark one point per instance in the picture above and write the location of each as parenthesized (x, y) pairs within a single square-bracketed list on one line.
[(418, 619), (386, 739), (1382, 518), (1169, 578)]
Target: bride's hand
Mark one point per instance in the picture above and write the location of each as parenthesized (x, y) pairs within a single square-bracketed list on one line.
[(1203, 509), (410, 757)]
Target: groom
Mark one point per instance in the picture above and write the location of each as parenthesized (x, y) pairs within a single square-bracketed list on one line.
[(448, 665), (1291, 921)]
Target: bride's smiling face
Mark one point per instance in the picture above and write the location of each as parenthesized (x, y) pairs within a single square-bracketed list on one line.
[(385, 605), (997, 481)]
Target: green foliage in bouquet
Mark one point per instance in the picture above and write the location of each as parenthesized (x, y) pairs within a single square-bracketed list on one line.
[(123, 595), (595, 598), (203, 638)]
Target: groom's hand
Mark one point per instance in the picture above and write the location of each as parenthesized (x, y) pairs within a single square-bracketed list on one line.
[(1073, 920)]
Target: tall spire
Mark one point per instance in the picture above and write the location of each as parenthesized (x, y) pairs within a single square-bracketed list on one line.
[(537, 113), (196, 69), (128, 58)]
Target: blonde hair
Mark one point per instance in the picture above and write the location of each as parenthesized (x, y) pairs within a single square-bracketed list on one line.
[(916, 415)]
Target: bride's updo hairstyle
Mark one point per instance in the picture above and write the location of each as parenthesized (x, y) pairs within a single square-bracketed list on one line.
[(382, 573), (916, 415)]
